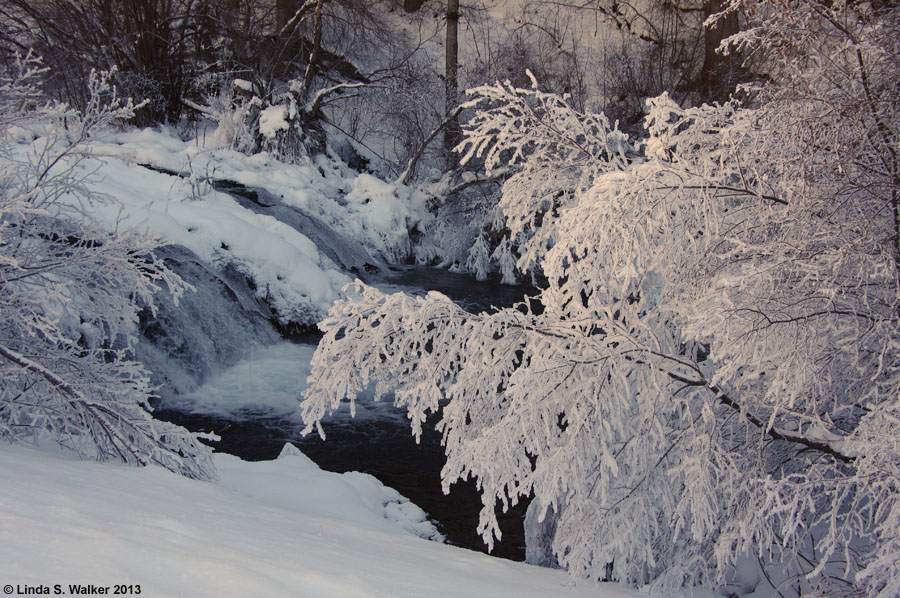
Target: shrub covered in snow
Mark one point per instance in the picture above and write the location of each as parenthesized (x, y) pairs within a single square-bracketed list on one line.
[(70, 290)]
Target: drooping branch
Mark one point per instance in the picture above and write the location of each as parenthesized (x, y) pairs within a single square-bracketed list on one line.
[(735, 191), (770, 431), (496, 175), (32, 366), (129, 435), (201, 109), (120, 444), (722, 397)]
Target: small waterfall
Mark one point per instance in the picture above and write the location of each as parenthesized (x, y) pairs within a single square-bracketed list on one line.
[(224, 319), (212, 327), (220, 363)]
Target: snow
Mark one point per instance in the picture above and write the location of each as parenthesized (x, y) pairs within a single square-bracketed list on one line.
[(272, 120), (244, 85), (356, 205), (275, 528), (288, 269), (284, 264)]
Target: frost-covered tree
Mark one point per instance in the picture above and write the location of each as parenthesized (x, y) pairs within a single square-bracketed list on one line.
[(714, 371), (70, 290), (506, 261), (478, 258)]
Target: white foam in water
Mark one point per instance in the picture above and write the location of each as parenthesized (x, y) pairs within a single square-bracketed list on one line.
[(267, 383)]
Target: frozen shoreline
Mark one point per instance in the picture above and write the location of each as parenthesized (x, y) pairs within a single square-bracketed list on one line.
[(273, 528)]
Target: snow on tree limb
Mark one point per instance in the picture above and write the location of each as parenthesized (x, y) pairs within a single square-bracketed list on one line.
[(714, 372), (70, 292), (312, 107)]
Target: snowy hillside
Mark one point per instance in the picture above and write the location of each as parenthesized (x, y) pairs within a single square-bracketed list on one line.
[(293, 265)]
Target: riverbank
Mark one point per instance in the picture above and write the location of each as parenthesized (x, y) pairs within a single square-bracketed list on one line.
[(274, 528)]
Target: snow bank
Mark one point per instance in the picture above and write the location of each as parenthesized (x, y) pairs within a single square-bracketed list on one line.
[(290, 272), (359, 206), (276, 528), (284, 264), (298, 282)]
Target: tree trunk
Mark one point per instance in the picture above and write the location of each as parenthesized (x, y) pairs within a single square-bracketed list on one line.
[(451, 96), (717, 76), (314, 54)]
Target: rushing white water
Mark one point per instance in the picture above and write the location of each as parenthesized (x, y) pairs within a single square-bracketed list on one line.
[(215, 325), (267, 383)]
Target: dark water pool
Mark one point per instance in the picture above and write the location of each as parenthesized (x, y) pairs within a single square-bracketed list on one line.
[(382, 448)]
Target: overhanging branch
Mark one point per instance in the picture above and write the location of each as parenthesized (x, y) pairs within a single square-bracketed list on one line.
[(404, 177), (770, 431)]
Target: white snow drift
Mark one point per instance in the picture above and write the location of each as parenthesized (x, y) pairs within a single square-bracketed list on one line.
[(276, 528)]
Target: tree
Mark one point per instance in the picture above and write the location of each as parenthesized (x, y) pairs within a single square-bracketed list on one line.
[(660, 46), (711, 373), (451, 70), (70, 291), (149, 42), (554, 43), (451, 76)]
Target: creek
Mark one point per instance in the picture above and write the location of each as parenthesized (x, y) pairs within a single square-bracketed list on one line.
[(222, 363)]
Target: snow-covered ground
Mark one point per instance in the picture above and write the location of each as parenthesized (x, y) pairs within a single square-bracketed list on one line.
[(275, 528), (294, 274), (358, 205)]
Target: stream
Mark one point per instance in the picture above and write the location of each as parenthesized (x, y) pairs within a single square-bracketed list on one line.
[(253, 407), (252, 402)]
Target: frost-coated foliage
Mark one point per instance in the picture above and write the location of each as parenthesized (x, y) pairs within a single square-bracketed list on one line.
[(505, 259), (715, 370), (557, 153), (70, 290), (478, 258)]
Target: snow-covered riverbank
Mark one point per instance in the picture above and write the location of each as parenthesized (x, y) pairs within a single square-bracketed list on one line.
[(275, 528)]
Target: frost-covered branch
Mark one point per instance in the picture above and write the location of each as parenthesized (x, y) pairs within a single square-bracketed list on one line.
[(313, 106), (404, 177), (773, 433), (207, 110), (70, 291), (714, 371), (299, 14)]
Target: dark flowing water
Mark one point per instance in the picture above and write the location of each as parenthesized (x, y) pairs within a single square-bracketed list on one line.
[(382, 445), (383, 449)]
